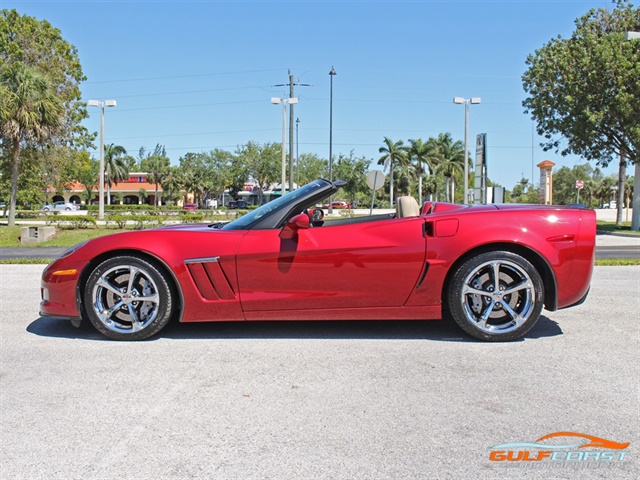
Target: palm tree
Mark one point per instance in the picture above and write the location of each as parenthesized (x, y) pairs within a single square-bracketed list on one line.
[(30, 111), (115, 166), (172, 182), (393, 153), (157, 169), (451, 162), (422, 153)]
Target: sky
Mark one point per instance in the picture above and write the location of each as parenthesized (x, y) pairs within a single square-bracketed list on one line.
[(199, 75)]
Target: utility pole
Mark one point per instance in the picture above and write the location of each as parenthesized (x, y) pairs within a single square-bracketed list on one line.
[(291, 120), (291, 84)]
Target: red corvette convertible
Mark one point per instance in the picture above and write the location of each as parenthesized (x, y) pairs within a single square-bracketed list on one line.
[(491, 268)]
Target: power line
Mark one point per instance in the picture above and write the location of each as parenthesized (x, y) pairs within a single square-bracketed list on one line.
[(193, 75)]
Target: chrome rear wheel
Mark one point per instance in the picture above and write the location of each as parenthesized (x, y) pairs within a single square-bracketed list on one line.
[(496, 296)]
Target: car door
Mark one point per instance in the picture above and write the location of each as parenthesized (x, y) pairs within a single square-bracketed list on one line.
[(369, 264)]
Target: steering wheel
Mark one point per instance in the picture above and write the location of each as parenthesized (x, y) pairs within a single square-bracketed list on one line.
[(316, 216)]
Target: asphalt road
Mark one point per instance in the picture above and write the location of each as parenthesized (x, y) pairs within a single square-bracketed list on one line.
[(316, 400)]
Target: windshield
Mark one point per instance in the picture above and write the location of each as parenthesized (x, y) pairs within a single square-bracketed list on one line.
[(281, 202)]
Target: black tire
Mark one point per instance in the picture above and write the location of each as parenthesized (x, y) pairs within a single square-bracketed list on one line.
[(111, 298), (498, 317), (68, 209)]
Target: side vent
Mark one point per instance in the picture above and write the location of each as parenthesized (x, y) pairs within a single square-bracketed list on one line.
[(209, 278)]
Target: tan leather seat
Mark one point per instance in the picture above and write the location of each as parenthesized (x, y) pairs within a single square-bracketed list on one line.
[(407, 207)]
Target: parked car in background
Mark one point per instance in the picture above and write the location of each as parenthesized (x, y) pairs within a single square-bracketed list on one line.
[(66, 206), (237, 204), (612, 204), (337, 205), (190, 206)]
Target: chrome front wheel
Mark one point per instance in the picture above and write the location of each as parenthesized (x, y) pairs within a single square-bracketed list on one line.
[(128, 298), (496, 296)]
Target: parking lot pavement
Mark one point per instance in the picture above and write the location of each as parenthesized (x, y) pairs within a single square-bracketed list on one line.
[(339, 400)]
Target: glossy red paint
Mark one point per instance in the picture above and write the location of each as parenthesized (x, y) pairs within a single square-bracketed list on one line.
[(373, 264), (371, 268)]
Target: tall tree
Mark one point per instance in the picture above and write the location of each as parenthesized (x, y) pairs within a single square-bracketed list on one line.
[(352, 170), (115, 166), (263, 163), (312, 167), (172, 182), (30, 112), (451, 162), (207, 174), (87, 173), (392, 154), (584, 93), (42, 70), (156, 168), (422, 154)]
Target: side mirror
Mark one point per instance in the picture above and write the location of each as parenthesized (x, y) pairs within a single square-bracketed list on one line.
[(295, 223)]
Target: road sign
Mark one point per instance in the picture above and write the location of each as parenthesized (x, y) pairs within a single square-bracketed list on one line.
[(375, 179), (579, 184)]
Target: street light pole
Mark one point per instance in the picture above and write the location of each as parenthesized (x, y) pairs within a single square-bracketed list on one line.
[(101, 104), (284, 102), (635, 208), (332, 73), (466, 101), (297, 154)]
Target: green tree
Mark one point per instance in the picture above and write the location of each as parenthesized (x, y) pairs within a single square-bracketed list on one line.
[(584, 92), (142, 193), (30, 112), (262, 162), (450, 162), (172, 182), (206, 174), (393, 153), (87, 172), (352, 170), (422, 154), (606, 189), (523, 192), (27, 41), (311, 167), (628, 193), (114, 166), (41, 69), (156, 168), (564, 183)]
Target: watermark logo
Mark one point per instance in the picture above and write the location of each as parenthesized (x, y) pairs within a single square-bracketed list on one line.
[(579, 449)]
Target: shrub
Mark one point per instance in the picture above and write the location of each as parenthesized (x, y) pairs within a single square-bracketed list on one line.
[(82, 221), (192, 218), (119, 220), (145, 221)]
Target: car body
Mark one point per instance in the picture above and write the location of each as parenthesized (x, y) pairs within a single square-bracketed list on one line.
[(60, 206), (190, 206), (237, 204), (491, 268), (337, 205)]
